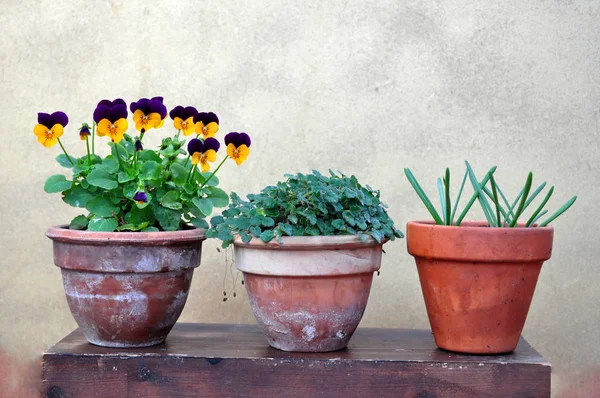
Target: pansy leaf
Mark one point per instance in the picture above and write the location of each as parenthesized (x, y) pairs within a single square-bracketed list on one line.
[(110, 164), (168, 219), (130, 189), (199, 223), (102, 206), (150, 171), (77, 196), (137, 216), (64, 161), (218, 197), (124, 177), (79, 223), (99, 224), (204, 205), (147, 155), (171, 200), (132, 227), (101, 178), (57, 183), (150, 229), (179, 174)]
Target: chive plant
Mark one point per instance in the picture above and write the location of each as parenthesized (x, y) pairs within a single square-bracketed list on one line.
[(498, 211)]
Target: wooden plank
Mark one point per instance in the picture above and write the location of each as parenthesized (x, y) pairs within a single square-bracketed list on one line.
[(212, 360)]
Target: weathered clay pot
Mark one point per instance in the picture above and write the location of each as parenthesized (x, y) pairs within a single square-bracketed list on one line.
[(309, 293), (477, 281), (126, 289)]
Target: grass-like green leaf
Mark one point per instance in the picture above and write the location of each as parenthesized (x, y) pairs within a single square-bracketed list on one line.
[(525, 191), (487, 210), (462, 185), (535, 193), (448, 214), (474, 196), (490, 195), (440, 187), (539, 208), (508, 213), (560, 211), (495, 198), (538, 217), (411, 178)]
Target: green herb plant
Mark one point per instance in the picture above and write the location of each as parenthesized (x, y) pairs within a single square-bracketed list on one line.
[(306, 205), (498, 210)]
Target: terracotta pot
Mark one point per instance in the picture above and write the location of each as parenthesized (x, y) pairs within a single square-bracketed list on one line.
[(477, 281), (126, 289), (309, 293)]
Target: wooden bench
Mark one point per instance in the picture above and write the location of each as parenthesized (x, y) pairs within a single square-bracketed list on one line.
[(215, 360)]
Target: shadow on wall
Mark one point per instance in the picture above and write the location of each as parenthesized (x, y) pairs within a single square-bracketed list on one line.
[(581, 384), (18, 378)]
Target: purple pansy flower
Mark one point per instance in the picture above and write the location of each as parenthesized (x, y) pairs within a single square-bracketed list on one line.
[(207, 124), (140, 197), (148, 113), (50, 127), (238, 146), (203, 152), (111, 117), (183, 118)]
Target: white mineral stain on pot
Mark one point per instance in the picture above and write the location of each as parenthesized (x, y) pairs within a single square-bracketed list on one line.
[(309, 333)]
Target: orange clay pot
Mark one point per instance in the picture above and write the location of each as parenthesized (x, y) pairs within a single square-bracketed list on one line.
[(309, 293), (478, 281), (126, 289)]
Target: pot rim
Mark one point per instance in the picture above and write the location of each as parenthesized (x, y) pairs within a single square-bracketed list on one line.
[(62, 233), (475, 241), (472, 224), (322, 242)]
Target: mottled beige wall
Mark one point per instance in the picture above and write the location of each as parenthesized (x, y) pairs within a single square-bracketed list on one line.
[(364, 86)]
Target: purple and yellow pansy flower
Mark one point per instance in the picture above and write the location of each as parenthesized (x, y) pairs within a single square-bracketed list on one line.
[(140, 198), (84, 132), (203, 152), (111, 117), (207, 124), (183, 118), (50, 127), (148, 113), (238, 146)]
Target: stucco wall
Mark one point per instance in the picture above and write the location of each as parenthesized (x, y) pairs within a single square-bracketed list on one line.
[(367, 87)]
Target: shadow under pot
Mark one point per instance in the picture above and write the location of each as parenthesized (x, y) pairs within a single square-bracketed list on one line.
[(126, 289), (309, 293), (477, 281)]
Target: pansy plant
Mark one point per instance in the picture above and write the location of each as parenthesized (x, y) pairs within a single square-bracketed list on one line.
[(136, 188)]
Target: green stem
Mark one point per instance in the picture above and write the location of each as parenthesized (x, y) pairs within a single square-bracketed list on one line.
[(87, 144), (142, 135), (190, 173), (93, 136), (214, 172), (66, 154), (118, 156), (187, 160)]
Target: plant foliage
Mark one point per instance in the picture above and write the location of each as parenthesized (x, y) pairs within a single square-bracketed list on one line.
[(137, 189), (306, 205), (498, 211)]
